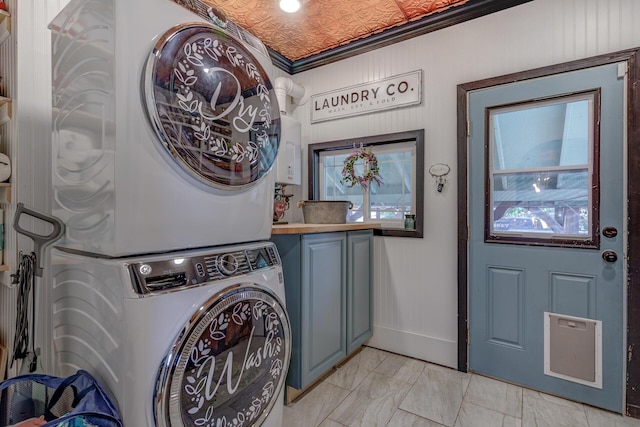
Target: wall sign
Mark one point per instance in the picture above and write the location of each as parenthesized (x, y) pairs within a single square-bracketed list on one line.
[(392, 92)]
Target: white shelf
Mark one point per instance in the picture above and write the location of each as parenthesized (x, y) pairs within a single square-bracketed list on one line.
[(5, 193), (5, 116), (5, 110), (5, 25)]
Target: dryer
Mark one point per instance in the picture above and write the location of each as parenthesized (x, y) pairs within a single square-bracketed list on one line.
[(165, 128), (191, 338)]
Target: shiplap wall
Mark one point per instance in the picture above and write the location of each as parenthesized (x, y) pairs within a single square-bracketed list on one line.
[(416, 279), (25, 68)]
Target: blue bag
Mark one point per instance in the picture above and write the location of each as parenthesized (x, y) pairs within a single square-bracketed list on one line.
[(75, 401)]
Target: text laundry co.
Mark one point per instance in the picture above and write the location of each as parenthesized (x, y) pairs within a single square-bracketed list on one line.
[(388, 93)]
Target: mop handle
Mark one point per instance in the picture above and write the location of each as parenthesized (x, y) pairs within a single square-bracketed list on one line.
[(40, 241)]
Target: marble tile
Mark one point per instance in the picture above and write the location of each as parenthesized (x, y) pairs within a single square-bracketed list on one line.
[(472, 415), (401, 368), (406, 419), (495, 395), (532, 394), (372, 403), (351, 374), (437, 394), (325, 423), (314, 407), (383, 395), (543, 410), (599, 418)]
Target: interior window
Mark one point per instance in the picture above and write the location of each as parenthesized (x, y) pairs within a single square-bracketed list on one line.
[(541, 171), (389, 202), (401, 162)]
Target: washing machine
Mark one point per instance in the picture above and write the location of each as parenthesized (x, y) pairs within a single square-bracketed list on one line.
[(191, 338), (165, 128)]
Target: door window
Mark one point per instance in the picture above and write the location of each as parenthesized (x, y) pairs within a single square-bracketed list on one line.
[(541, 171)]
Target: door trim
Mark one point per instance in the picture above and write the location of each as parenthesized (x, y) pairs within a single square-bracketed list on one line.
[(632, 58)]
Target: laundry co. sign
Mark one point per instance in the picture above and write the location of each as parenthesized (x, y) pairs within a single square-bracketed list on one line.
[(392, 92)]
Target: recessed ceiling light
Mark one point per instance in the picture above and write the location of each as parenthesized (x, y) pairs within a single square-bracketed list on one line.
[(290, 6)]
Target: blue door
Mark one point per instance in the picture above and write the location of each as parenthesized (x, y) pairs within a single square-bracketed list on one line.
[(546, 225)]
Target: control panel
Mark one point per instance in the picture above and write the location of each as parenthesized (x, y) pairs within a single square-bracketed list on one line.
[(180, 270)]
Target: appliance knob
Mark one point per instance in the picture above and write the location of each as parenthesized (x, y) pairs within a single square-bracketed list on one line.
[(227, 264), (145, 269)]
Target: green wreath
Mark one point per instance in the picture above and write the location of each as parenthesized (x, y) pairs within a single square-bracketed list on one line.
[(371, 169)]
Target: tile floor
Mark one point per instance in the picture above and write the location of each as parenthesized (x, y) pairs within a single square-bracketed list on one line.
[(377, 388)]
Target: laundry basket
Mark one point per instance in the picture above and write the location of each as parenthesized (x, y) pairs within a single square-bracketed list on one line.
[(75, 401)]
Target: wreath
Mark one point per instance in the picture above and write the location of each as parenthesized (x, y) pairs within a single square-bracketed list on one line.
[(371, 169)]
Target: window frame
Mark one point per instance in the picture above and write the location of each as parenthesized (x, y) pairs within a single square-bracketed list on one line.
[(593, 241), (313, 158)]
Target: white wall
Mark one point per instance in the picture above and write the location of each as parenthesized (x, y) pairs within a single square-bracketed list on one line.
[(416, 279)]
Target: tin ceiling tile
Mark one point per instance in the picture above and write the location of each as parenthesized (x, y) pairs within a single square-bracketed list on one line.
[(321, 25), (416, 9)]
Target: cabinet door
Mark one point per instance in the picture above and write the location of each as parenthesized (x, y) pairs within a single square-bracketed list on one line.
[(289, 248), (323, 302), (359, 288)]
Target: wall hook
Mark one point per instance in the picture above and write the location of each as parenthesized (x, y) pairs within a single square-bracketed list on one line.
[(439, 171)]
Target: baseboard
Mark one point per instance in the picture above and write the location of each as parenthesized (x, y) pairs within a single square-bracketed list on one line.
[(434, 350)]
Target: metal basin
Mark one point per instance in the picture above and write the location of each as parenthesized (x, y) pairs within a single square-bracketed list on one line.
[(325, 211)]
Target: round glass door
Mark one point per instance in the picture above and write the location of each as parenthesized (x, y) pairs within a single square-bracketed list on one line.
[(212, 106), (229, 364)]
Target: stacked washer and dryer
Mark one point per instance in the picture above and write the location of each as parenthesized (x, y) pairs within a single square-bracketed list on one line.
[(165, 130)]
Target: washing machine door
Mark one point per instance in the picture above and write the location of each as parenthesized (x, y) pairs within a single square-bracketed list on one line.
[(229, 364), (212, 106)]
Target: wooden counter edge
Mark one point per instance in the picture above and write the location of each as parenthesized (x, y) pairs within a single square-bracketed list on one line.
[(320, 228)]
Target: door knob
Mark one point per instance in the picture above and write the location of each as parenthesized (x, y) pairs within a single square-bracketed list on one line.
[(609, 232), (609, 256)]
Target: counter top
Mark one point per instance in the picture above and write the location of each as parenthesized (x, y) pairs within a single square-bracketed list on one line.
[(297, 228)]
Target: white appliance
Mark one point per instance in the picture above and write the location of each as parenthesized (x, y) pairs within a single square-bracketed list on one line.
[(289, 159), (165, 128), (192, 338)]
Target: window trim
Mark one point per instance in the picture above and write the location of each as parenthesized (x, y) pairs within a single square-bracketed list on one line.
[(559, 241), (313, 158)]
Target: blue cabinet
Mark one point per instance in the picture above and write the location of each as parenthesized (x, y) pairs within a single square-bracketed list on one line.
[(328, 284), (324, 303), (359, 288)]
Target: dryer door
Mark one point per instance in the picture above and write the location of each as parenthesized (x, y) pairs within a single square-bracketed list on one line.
[(212, 106), (229, 363)]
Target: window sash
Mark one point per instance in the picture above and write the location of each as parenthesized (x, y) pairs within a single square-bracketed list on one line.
[(315, 150), (549, 197), (330, 166)]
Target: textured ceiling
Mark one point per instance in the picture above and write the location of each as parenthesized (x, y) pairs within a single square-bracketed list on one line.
[(322, 25)]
